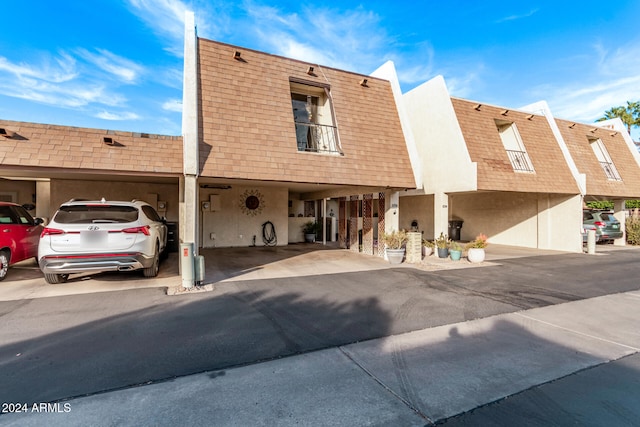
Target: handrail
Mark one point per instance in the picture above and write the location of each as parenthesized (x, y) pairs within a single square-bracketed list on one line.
[(520, 161), (611, 171), (317, 138)]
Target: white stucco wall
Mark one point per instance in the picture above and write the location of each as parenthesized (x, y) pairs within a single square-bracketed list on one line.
[(232, 227), (419, 208), (543, 221), (21, 191), (63, 190), (388, 71), (446, 164)]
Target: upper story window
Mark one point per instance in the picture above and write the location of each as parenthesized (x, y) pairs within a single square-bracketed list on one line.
[(314, 118), (605, 160), (514, 146)]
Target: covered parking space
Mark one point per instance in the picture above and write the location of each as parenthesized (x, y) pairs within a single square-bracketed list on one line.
[(46, 165)]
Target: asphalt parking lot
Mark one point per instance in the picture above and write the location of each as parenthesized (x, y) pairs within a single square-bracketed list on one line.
[(25, 280), (66, 346)]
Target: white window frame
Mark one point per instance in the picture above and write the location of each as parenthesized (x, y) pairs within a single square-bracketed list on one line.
[(323, 130), (602, 154), (514, 146)]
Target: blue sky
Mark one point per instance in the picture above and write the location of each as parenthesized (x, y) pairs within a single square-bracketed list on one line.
[(117, 64)]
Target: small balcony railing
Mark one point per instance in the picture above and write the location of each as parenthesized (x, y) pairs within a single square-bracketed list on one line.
[(611, 171), (520, 161), (317, 138)]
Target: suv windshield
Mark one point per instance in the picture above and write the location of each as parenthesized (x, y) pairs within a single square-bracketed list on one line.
[(88, 214)]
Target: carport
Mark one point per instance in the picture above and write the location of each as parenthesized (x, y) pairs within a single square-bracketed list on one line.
[(46, 165)]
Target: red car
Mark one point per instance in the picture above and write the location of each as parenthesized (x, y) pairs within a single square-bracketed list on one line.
[(19, 235)]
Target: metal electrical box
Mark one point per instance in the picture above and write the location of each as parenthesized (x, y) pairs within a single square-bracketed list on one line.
[(187, 264)]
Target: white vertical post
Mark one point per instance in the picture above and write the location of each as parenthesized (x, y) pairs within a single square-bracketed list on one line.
[(619, 211), (324, 221), (191, 165), (440, 214)]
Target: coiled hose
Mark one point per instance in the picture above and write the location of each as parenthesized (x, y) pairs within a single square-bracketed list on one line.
[(269, 234)]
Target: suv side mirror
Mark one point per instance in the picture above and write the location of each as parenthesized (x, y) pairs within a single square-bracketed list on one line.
[(38, 221)]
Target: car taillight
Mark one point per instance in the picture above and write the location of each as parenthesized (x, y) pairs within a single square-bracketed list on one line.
[(50, 231), (142, 229), (599, 224)]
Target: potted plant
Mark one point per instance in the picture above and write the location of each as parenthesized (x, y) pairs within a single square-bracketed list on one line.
[(442, 244), (455, 251), (475, 248), (427, 247), (310, 229), (395, 245)]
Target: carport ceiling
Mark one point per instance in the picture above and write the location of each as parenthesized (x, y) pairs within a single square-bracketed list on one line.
[(313, 190), (47, 174)]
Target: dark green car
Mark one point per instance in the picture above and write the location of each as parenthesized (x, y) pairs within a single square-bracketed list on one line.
[(607, 226)]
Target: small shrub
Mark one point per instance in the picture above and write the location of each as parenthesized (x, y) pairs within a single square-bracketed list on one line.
[(442, 241), (395, 239), (632, 225), (480, 242), (455, 246)]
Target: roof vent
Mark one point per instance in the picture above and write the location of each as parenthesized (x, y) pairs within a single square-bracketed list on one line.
[(108, 140), (6, 133)]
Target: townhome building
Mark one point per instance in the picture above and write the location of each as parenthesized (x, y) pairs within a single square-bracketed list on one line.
[(270, 143)]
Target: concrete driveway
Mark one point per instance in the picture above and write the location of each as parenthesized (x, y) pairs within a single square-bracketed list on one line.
[(223, 265)]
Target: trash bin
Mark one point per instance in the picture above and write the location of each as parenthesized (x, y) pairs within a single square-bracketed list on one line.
[(454, 229)]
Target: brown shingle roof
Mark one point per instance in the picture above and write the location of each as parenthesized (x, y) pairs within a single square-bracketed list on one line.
[(84, 150), (598, 185), (248, 130), (552, 175)]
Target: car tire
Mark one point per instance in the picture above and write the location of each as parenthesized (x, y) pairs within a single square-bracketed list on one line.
[(54, 279), (4, 264), (152, 271)]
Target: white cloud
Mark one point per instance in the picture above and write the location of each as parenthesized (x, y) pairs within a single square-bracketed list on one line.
[(517, 16), (173, 105), (125, 69), (612, 80), (350, 39), (166, 18), (65, 69), (105, 115)]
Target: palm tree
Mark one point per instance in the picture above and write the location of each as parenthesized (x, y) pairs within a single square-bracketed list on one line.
[(629, 114)]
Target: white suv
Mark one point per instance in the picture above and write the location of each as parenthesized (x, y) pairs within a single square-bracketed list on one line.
[(95, 236)]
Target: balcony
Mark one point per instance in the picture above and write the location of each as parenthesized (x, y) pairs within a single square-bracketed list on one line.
[(520, 161), (611, 171), (317, 138)]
